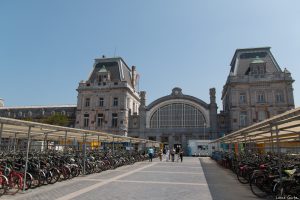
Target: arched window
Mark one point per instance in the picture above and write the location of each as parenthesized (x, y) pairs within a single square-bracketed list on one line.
[(177, 115), (29, 114)]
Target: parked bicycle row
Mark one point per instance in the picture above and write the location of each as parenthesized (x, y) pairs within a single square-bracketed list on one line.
[(270, 175), (52, 166)]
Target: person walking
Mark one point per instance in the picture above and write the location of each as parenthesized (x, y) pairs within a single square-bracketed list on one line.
[(167, 155), (150, 153), (160, 153), (173, 154), (181, 154)]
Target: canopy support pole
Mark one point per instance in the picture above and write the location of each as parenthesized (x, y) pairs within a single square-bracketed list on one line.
[(98, 143), (65, 147), (26, 161), (15, 142), (1, 131), (245, 143), (46, 141), (278, 153), (272, 141), (113, 145), (84, 152)]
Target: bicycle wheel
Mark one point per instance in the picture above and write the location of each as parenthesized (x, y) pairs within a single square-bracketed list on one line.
[(3, 185), (49, 176), (242, 176), (258, 186), (42, 178), (55, 175), (29, 180), (15, 184)]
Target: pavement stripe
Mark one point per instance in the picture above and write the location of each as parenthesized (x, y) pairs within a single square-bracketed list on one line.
[(169, 166), (168, 172), (87, 189), (160, 182)]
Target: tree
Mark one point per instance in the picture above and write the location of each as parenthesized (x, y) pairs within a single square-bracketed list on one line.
[(57, 119)]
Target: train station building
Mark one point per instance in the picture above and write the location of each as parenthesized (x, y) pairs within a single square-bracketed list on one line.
[(109, 100)]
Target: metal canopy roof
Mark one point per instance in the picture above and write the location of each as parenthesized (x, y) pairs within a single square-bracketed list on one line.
[(287, 125), (38, 131)]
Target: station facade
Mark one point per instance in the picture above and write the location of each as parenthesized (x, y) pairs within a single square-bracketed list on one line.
[(109, 100)]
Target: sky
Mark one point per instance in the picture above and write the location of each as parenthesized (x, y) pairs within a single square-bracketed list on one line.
[(48, 46)]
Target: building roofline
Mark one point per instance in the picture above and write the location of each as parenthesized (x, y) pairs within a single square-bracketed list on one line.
[(246, 49), (51, 106), (97, 60), (183, 96)]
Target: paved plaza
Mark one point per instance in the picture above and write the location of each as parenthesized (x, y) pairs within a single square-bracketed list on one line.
[(145, 180)]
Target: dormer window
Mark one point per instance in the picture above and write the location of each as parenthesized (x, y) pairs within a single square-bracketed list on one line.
[(103, 75), (258, 67)]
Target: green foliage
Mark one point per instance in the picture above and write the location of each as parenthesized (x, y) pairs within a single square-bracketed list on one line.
[(57, 119), (28, 119)]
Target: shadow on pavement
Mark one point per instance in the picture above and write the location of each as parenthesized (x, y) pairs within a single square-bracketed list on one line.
[(223, 184)]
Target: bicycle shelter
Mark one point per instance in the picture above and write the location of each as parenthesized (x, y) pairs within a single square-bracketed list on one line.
[(61, 137), (278, 134)]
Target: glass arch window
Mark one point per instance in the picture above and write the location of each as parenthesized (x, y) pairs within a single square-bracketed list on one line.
[(177, 115)]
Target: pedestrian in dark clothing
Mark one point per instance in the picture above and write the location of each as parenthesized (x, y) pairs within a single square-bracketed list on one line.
[(181, 154), (173, 154)]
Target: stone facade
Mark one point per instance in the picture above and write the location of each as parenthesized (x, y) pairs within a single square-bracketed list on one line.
[(38, 113), (256, 89), (108, 97)]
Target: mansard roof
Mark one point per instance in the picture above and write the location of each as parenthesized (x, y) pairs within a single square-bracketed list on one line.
[(177, 94), (244, 57), (119, 71)]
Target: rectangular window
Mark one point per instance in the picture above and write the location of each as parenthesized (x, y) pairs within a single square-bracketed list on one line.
[(243, 118), (100, 120), (254, 70), (101, 102), (261, 97), (114, 122), (242, 98), (261, 70), (115, 103), (87, 102), (261, 115), (86, 120)]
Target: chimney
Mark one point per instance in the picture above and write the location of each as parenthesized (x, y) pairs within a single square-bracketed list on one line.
[(143, 98), (133, 76), (212, 94)]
